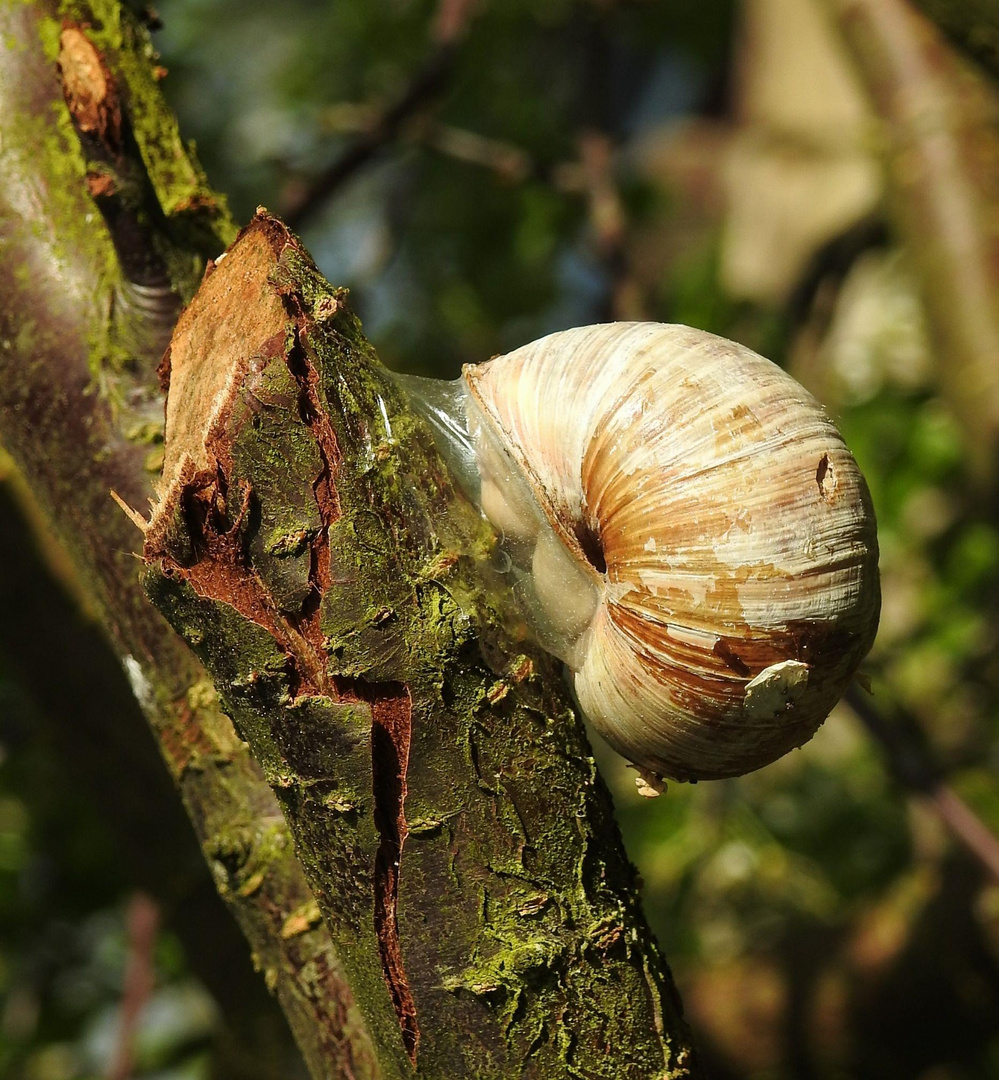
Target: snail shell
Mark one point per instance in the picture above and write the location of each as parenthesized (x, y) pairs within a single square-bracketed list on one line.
[(701, 543)]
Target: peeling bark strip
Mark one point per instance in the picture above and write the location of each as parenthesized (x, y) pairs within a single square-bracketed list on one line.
[(311, 548), (391, 720)]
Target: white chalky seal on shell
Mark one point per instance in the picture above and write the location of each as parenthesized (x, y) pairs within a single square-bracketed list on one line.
[(776, 689)]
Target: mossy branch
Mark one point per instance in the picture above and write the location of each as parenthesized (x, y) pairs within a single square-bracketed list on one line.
[(310, 547), (106, 222)]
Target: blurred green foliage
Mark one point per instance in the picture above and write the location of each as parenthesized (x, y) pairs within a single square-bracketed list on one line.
[(448, 262), (819, 918), (63, 944)]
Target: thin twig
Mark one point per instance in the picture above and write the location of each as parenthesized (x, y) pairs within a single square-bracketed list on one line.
[(590, 177), (451, 20), (608, 221), (965, 824), (449, 26), (911, 763), (508, 161), (142, 923)]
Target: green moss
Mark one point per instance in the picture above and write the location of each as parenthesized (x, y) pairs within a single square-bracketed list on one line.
[(74, 233), (301, 919), (242, 856), (195, 220), (508, 962), (145, 431), (183, 193), (274, 452), (247, 678), (78, 233)]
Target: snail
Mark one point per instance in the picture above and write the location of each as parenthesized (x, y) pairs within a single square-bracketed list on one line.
[(694, 538)]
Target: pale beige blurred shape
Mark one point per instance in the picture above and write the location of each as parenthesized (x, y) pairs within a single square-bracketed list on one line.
[(864, 334), (799, 170), (876, 334)]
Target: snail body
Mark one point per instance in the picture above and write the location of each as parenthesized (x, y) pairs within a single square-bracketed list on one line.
[(701, 543)]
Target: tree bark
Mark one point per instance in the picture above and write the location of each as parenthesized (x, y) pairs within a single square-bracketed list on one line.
[(473, 913), (105, 222), (89, 719), (310, 547)]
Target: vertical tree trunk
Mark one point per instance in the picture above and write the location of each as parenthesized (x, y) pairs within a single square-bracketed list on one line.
[(940, 143), (105, 223)]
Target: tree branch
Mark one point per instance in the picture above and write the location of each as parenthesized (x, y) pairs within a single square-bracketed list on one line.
[(303, 200), (973, 25), (310, 547), (911, 764), (83, 712), (142, 924), (81, 410)]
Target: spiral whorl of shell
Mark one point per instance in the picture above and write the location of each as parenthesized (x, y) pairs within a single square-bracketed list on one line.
[(722, 534)]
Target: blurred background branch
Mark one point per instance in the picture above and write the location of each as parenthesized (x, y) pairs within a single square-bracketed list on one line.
[(973, 25), (939, 135), (303, 198), (911, 763), (141, 923)]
